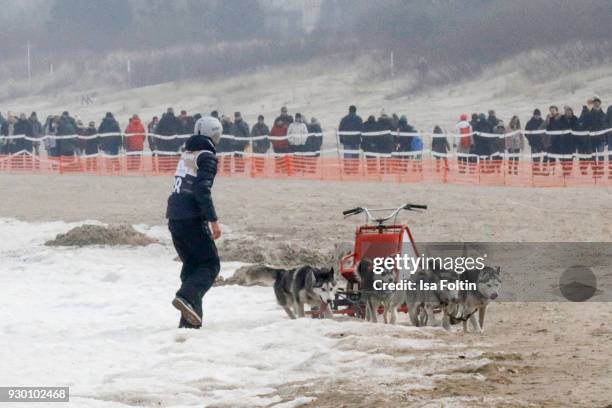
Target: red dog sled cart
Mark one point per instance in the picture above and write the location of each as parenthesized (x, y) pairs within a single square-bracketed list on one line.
[(376, 238)]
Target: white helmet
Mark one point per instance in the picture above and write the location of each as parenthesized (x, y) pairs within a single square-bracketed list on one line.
[(209, 126)]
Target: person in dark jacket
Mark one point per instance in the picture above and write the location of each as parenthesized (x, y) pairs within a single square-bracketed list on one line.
[(261, 144), (315, 137), (535, 124), (66, 126), (595, 121), (349, 131), (403, 142), (384, 143), (284, 117), (240, 130), (367, 141), (169, 125), (565, 144), (193, 221), (151, 130), (481, 144), (550, 141), (112, 143), (92, 143), (313, 145), (22, 127), (36, 131), (440, 148)]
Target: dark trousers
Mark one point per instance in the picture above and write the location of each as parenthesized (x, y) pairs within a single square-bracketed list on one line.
[(194, 244)]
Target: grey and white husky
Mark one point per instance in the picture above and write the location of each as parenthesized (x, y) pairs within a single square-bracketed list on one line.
[(422, 303), (371, 297), (488, 286), (305, 285)]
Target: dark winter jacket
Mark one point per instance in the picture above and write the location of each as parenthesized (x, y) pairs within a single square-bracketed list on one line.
[(240, 129), (594, 120), (286, 119), (110, 144), (191, 197), (22, 127), (565, 143), (351, 123), (535, 141), (66, 126), (169, 125), (91, 145), (384, 142), (439, 144), (260, 146), (368, 143), (484, 146), (403, 143), (315, 138)]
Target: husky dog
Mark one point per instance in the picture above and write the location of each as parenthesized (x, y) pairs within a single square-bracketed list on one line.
[(421, 303), (374, 298), (488, 286), (306, 284)]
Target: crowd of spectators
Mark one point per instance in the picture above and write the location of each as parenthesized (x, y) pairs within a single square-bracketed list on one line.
[(553, 137)]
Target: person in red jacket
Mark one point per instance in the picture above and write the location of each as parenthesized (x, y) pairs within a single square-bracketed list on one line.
[(280, 145), (134, 142)]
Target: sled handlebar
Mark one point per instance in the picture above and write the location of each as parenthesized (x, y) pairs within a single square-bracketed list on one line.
[(352, 211), (415, 206), (394, 211)]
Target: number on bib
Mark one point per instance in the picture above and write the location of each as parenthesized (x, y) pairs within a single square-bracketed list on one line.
[(177, 185)]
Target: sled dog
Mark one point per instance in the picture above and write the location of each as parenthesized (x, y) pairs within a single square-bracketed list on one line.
[(305, 285), (371, 297), (422, 303), (470, 302)]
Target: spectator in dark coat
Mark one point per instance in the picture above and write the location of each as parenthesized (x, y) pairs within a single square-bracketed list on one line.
[(482, 144), (225, 144), (368, 143), (22, 127), (354, 124), (315, 137), (91, 145), (492, 119), (169, 125), (284, 117), (565, 142), (240, 130), (384, 142), (566, 145), (534, 124), (550, 141), (260, 144), (66, 126), (439, 144), (403, 143), (36, 131), (596, 121), (151, 130), (110, 144)]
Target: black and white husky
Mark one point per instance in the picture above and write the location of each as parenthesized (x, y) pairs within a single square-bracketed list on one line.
[(305, 285), (488, 286)]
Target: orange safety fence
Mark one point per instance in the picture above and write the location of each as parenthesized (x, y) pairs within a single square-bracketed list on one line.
[(521, 173)]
